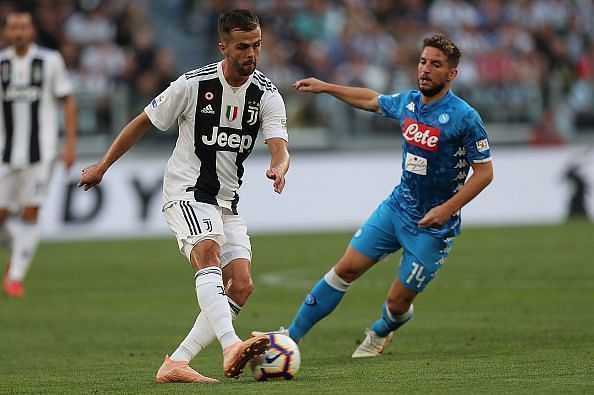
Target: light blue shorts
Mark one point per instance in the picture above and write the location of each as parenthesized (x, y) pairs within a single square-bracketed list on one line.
[(385, 232)]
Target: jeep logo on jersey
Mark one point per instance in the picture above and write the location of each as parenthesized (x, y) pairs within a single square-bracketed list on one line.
[(420, 135), (226, 140), (22, 93)]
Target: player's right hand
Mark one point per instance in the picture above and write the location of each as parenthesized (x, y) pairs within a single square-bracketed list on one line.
[(309, 85), (90, 176)]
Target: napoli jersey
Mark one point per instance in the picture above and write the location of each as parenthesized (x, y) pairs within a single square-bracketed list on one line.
[(440, 141)]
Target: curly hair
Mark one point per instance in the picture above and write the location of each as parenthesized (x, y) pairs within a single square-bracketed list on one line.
[(445, 45)]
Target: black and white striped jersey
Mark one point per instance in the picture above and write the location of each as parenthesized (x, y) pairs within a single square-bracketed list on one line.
[(30, 87), (218, 126)]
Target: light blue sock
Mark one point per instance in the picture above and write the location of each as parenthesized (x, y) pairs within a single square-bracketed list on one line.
[(320, 302), (389, 322)]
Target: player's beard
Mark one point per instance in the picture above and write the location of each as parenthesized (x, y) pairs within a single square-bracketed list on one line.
[(243, 70), (430, 92)]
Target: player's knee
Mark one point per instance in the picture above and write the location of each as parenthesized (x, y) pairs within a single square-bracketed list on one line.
[(348, 269), (206, 253), (30, 214), (352, 265), (3, 216), (398, 305), (346, 272)]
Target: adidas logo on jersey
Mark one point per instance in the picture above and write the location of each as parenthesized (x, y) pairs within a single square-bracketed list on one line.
[(207, 110), (411, 106)]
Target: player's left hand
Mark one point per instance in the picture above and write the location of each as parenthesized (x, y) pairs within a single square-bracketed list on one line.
[(278, 176), (90, 176), (436, 217)]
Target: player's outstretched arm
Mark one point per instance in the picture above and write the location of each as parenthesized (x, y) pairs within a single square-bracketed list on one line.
[(482, 175), (92, 175), (279, 162), (363, 98)]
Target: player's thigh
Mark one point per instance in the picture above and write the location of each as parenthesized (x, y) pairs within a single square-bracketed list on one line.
[(34, 184), (377, 238), (192, 222), (237, 242), (423, 256)]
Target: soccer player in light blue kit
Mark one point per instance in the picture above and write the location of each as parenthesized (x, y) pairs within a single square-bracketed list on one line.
[(443, 137)]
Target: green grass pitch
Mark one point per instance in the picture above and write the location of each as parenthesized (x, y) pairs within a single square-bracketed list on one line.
[(510, 312)]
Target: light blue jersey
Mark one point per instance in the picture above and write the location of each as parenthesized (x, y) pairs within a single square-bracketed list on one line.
[(440, 141)]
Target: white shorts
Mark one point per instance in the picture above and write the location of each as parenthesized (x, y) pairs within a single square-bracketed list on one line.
[(192, 222), (24, 187)]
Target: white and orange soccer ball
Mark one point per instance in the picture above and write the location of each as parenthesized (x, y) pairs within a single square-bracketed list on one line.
[(281, 361)]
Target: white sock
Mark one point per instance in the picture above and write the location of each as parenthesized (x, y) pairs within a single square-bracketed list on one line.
[(200, 336), (212, 299), (335, 281), (25, 238)]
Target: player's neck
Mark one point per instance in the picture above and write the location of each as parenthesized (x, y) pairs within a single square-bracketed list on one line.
[(436, 97), (21, 50), (234, 79)]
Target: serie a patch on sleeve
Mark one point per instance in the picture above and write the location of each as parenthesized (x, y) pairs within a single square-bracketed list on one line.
[(482, 145), (158, 100)]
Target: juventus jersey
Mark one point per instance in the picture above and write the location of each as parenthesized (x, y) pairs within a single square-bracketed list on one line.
[(218, 126), (30, 87)]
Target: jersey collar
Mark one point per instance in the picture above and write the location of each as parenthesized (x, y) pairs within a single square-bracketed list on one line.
[(30, 52), (446, 98), (226, 85)]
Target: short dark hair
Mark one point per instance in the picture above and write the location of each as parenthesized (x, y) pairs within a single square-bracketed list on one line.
[(445, 45), (243, 20)]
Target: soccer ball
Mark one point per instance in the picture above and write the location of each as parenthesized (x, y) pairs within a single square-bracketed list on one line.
[(281, 360)]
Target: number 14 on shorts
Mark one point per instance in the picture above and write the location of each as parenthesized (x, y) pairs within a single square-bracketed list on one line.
[(416, 274)]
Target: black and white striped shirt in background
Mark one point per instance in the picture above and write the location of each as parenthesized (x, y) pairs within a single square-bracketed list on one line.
[(30, 87)]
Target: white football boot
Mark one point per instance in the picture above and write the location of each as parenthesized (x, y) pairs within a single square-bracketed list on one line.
[(373, 345)]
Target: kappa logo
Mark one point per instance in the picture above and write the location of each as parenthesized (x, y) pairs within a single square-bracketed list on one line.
[(460, 152), (461, 176), (207, 110), (411, 107), (461, 164)]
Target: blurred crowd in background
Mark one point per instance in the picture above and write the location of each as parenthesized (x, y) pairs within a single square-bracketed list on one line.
[(526, 65)]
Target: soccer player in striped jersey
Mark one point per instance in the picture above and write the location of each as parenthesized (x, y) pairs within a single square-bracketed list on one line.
[(443, 137), (33, 81), (220, 108)]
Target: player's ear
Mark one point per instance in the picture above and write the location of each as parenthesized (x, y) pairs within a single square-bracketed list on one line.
[(452, 74), (222, 47)]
